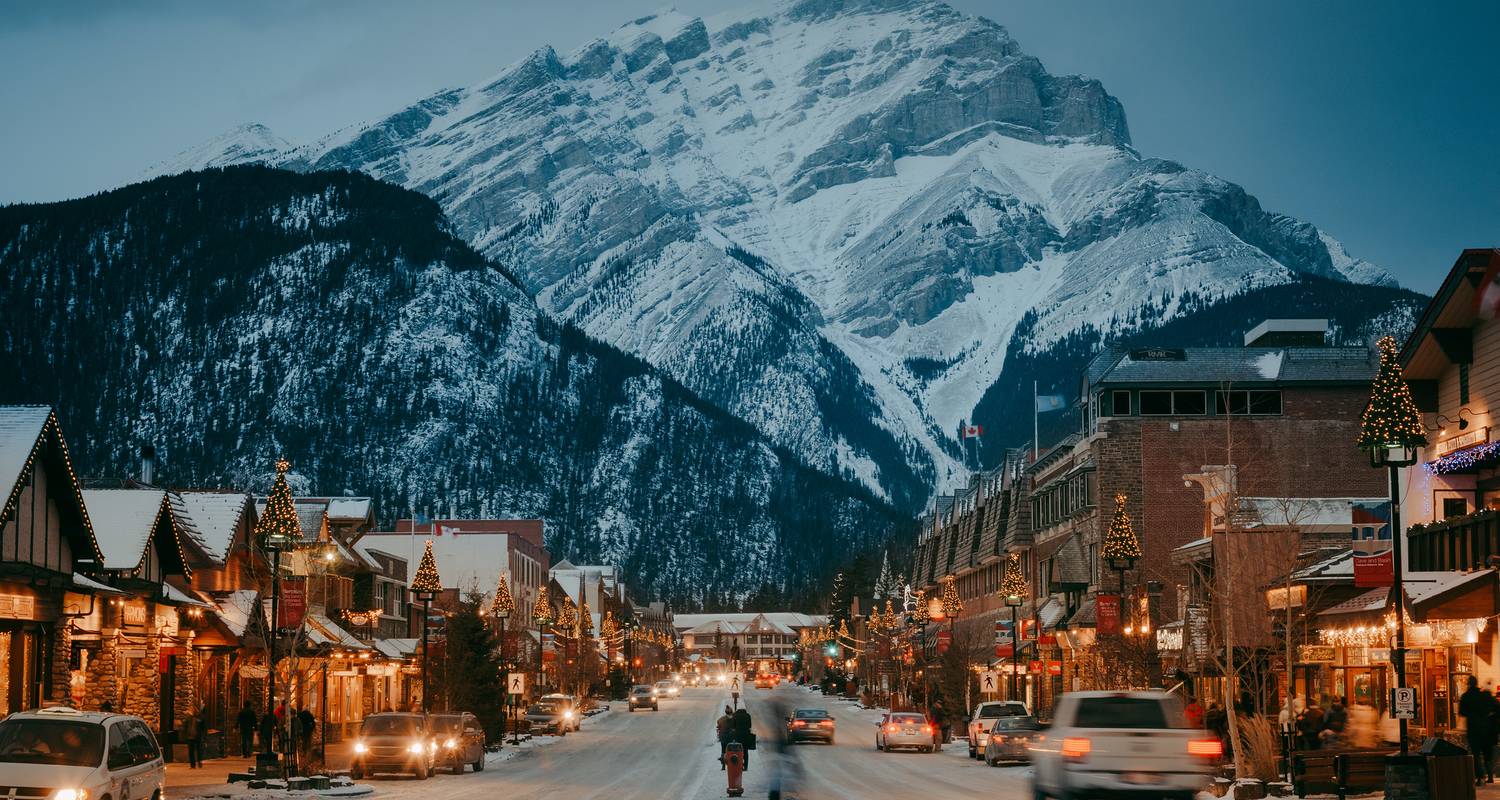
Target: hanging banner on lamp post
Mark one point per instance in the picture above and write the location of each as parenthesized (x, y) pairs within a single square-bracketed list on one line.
[(1374, 560), (1107, 614)]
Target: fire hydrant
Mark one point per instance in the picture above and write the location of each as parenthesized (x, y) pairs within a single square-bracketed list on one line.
[(734, 767)]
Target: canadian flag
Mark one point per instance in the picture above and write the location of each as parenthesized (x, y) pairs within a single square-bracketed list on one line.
[(444, 530), (973, 431)]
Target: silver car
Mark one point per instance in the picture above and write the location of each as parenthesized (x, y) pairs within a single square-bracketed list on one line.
[(904, 729), (1009, 739)]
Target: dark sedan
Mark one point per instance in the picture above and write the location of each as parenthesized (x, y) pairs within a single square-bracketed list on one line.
[(1009, 739), (809, 725), (548, 717)]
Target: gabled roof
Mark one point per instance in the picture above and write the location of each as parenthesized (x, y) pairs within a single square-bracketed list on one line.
[(1454, 305), (236, 609), (124, 520), (210, 518), (28, 433)]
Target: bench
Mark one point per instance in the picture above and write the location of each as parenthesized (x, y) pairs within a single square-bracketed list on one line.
[(1360, 771), (1337, 771)]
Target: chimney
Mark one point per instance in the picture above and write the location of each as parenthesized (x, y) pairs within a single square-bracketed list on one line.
[(1288, 333), (148, 464)]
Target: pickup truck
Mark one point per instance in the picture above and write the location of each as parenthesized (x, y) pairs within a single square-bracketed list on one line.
[(1122, 744)]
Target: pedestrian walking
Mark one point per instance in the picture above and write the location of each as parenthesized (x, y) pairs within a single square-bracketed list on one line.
[(744, 732), (191, 731), (306, 725), (1478, 711), (1335, 722), (245, 721), (268, 733), (1309, 726), (725, 730), (1194, 713)]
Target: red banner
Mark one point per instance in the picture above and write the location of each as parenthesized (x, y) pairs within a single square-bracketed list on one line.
[(1107, 614), (1375, 570), (1003, 651), (944, 639), (293, 604)]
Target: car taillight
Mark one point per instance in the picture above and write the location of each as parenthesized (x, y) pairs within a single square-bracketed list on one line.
[(891, 729), (928, 729), (1076, 749), (827, 723), (797, 723), (1206, 748)]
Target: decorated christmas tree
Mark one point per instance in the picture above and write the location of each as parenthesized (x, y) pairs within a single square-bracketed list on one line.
[(278, 527), (585, 621), (919, 615), (427, 580), (504, 604), (1391, 418), (952, 606), (1013, 584), (1119, 540), (541, 614)]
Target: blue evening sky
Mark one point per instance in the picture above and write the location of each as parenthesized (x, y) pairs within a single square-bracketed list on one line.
[(1378, 121)]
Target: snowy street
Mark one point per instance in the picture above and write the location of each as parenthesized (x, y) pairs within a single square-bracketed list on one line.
[(672, 754)]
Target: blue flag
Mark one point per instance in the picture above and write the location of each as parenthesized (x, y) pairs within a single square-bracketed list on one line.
[(1050, 402)]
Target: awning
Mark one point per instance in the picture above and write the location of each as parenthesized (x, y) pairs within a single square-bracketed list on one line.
[(91, 585), (397, 648), (332, 633), (176, 596), (1373, 603), (1082, 618), (1051, 613)]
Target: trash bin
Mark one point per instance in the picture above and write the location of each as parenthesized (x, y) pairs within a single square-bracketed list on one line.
[(1450, 770)]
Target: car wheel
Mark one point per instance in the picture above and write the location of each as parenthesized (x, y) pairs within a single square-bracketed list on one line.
[(632, 709), (458, 767), (356, 773), (479, 765), (421, 773), (1038, 794), (993, 762), (972, 752)]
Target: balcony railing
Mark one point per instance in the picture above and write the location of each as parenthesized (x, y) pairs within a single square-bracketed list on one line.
[(1456, 543)]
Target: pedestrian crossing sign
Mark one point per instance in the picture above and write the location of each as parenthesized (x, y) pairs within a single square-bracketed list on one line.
[(516, 683), (989, 682)]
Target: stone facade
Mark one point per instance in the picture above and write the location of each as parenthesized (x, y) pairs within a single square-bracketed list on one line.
[(103, 683), (143, 686), (60, 691), (185, 681)]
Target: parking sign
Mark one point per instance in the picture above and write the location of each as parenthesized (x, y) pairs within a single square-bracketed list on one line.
[(1404, 703)]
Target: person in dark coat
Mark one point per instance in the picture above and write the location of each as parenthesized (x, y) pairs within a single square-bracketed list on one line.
[(724, 729), (245, 721), (192, 734), (268, 733), (306, 725), (1478, 709), (744, 732)]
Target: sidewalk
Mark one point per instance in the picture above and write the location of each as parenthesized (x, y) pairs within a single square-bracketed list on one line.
[(215, 771)]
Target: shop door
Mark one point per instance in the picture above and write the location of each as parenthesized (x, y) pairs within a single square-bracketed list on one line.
[(168, 692)]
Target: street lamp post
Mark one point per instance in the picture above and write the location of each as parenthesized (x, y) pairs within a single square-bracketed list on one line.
[(426, 585), (277, 528), (1391, 431), (501, 609), (1014, 587)]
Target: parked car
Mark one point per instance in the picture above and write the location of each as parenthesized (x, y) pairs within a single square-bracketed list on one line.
[(1009, 740), (572, 709), (79, 755), (460, 741), (904, 729), (667, 689), (394, 742), (548, 716), (643, 697), (984, 718), (1122, 744), (810, 725)]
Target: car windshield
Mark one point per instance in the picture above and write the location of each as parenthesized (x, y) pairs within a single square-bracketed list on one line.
[(810, 713), (390, 726), (542, 708), (995, 710), (1016, 724), (641, 690), (908, 719), (1125, 712), (45, 741), (445, 724)]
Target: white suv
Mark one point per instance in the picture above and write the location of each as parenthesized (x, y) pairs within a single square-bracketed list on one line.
[(66, 754), (984, 718), (1124, 745)]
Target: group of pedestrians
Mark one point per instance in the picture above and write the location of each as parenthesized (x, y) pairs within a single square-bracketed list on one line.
[(1481, 713), (735, 726)]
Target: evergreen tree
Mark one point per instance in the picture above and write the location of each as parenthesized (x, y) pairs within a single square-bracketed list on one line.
[(474, 682), (1391, 418)]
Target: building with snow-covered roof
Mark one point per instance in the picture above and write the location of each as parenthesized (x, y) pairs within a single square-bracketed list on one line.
[(749, 635), (46, 540)]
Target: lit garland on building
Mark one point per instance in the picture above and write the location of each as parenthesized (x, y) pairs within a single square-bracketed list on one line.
[(278, 526), (1014, 583), (504, 604), (1119, 540), (1391, 418), (1464, 460), (427, 579)]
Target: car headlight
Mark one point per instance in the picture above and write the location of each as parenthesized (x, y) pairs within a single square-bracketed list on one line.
[(71, 794), (416, 747), (432, 747), (359, 747), (451, 743), (567, 715)]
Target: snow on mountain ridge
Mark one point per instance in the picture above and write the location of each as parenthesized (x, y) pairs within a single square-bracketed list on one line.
[(783, 207)]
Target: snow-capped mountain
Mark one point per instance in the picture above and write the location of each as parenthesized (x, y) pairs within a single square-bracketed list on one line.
[(829, 217), (233, 316)]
